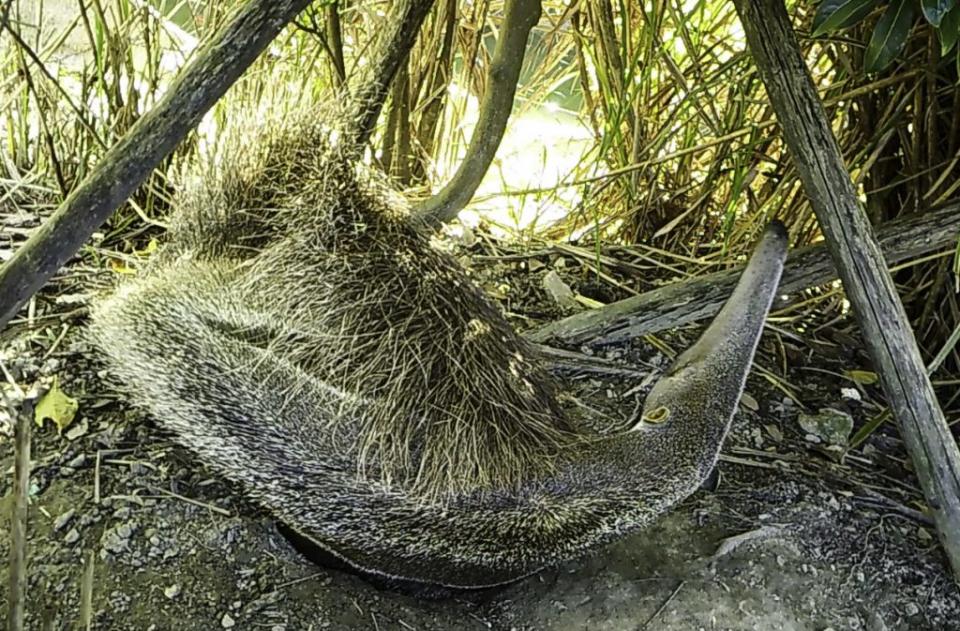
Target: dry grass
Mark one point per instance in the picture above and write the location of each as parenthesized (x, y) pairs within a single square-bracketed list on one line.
[(686, 159)]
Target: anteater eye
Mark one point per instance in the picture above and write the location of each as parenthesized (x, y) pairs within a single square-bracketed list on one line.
[(657, 416)]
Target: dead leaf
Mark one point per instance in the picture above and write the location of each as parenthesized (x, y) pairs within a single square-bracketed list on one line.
[(749, 402), (863, 377), (774, 432), (57, 406), (119, 267), (150, 249)]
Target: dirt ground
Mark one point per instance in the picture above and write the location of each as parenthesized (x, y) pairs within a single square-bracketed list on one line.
[(789, 538), (777, 545)]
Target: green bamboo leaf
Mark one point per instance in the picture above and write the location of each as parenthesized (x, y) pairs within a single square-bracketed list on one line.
[(949, 30), (889, 36), (833, 15), (935, 10)]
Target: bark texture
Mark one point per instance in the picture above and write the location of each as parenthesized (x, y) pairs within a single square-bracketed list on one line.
[(218, 64), (856, 253), (700, 298)]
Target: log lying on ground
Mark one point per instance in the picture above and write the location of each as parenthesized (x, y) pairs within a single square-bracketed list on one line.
[(700, 298), (127, 164), (887, 334)]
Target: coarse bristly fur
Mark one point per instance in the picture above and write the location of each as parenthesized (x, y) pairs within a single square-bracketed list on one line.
[(303, 336)]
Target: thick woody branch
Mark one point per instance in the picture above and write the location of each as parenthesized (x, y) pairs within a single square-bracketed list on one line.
[(374, 85), (700, 298), (519, 19), (857, 256), (218, 64)]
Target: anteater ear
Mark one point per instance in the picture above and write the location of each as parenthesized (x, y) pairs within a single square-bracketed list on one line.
[(711, 373)]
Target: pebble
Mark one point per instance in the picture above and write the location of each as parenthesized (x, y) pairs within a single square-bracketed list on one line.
[(911, 609), (117, 539), (227, 621), (77, 461), (63, 519), (172, 592), (72, 537)]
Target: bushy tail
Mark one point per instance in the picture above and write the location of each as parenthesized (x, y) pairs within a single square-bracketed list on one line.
[(257, 178)]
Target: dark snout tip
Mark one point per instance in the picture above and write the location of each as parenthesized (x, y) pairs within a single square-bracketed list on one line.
[(777, 230)]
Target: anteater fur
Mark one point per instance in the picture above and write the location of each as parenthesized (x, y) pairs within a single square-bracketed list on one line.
[(300, 332)]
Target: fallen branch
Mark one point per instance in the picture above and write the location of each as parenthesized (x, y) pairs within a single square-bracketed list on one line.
[(218, 64), (887, 335), (700, 298)]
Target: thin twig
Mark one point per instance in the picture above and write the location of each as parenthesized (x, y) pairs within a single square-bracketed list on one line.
[(190, 500), (659, 611), (18, 519)]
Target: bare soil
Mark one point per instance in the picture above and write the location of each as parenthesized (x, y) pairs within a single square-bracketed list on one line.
[(790, 538)]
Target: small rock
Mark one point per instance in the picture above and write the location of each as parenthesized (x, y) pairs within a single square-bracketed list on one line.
[(227, 621), (172, 592), (117, 539), (72, 537), (559, 290), (63, 519), (830, 426), (77, 430), (467, 237), (911, 609), (77, 461)]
